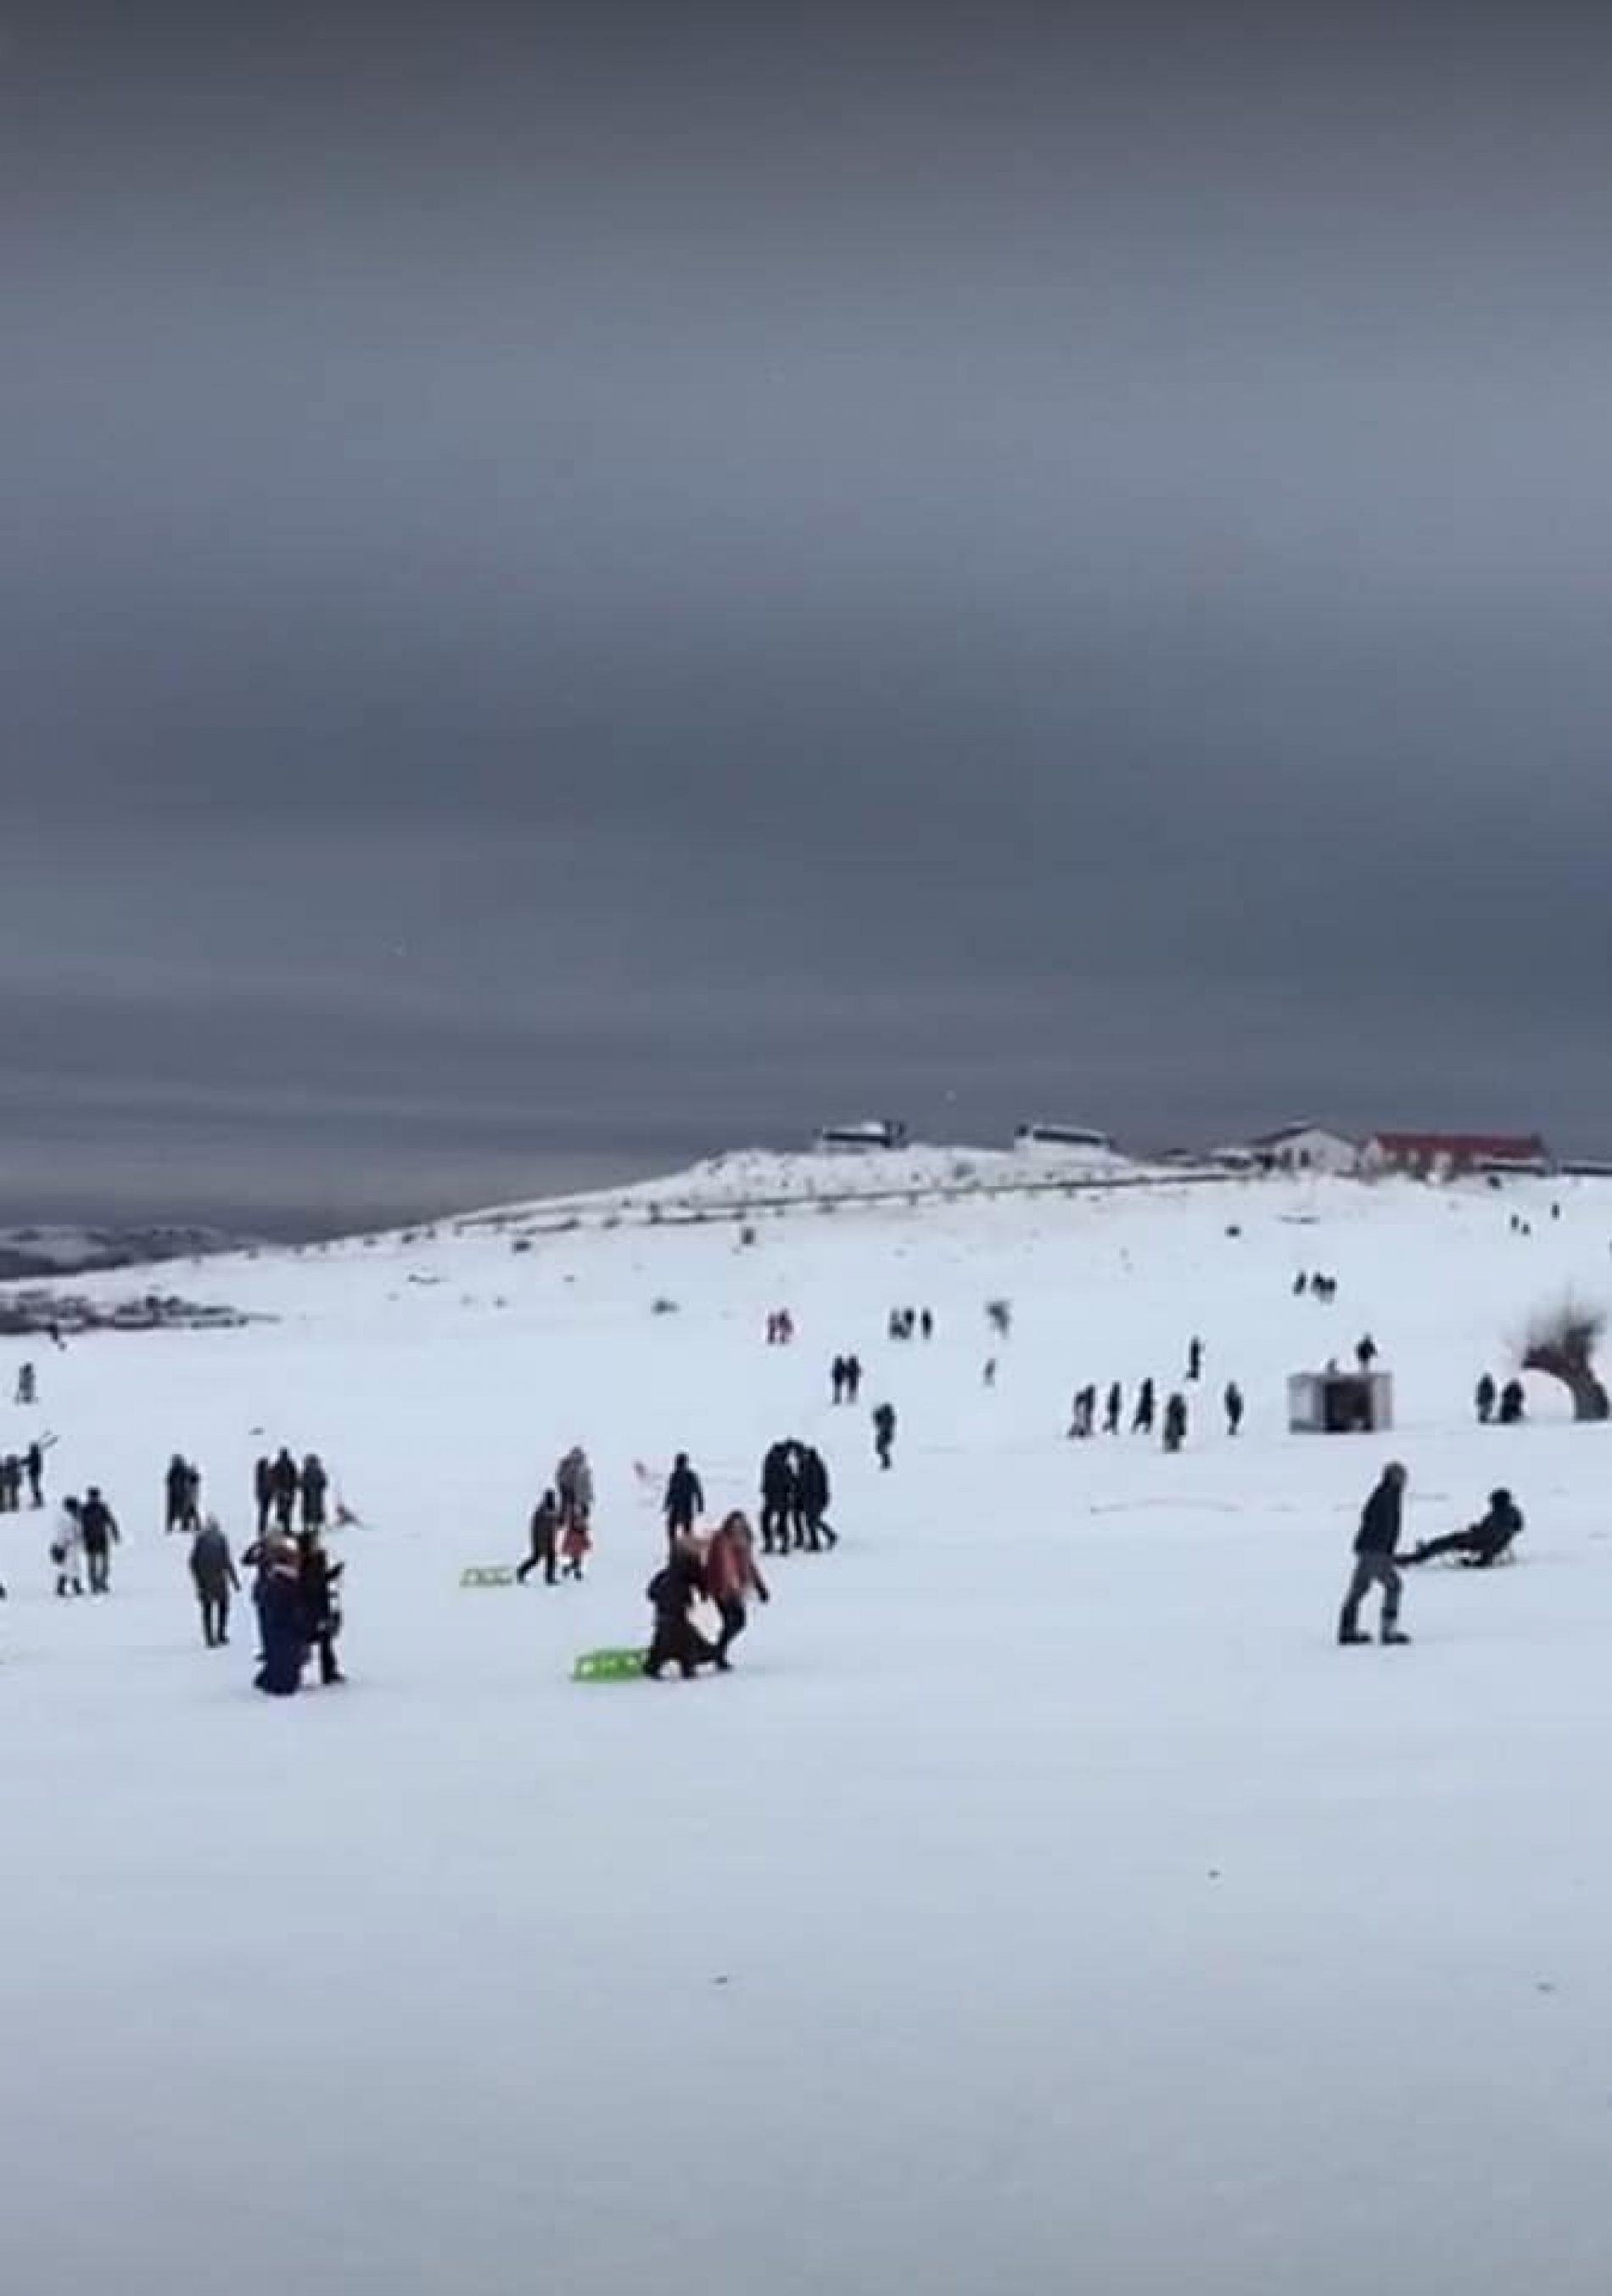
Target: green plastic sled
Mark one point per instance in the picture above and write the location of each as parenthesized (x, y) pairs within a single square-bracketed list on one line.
[(610, 1666), (487, 1575)]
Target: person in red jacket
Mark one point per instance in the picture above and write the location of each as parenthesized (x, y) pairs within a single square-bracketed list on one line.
[(731, 1578)]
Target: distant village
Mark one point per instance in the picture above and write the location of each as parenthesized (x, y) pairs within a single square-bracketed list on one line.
[(1295, 1148)]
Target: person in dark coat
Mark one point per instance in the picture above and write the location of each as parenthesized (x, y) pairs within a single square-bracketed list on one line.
[(315, 1485), (317, 1580), (213, 1575), (884, 1434), (181, 1489), (1195, 1360), (1485, 1398), (1176, 1422), (813, 1499), (777, 1496), (1113, 1409), (263, 1493), (1482, 1544), (544, 1534), (285, 1483), (1233, 1402), (1365, 1352), (98, 1528), (684, 1498), (837, 1379), (1512, 1403), (853, 1378), (1142, 1418), (33, 1467), (673, 1592), (281, 1620), (1376, 1552)]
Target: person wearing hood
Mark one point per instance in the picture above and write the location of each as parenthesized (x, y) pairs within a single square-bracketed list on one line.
[(315, 1484), (574, 1483), (98, 1527), (1376, 1554), (812, 1483), (214, 1576), (730, 1579), (285, 1483)]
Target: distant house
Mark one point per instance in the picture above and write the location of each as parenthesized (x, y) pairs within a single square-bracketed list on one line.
[(1444, 1155), (1304, 1148), (869, 1132), (1042, 1134)]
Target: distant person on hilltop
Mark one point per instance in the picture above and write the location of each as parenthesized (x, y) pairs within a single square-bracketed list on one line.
[(1233, 1407), (315, 1485), (812, 1501), (1365, 1352), (1376, 1548), (33, 1465), (285, 1483), (1176, 1422), (853, 1378), (1142, 1418), (1485, 1399), (836, 1374), (777, 1498), (1113, 1410), (1512, 1403), (1195, 1360), (574, 1483), (263, 1492), (28, 1385)]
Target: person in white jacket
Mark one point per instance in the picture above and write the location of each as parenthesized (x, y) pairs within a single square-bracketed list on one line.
[(66, 1550)]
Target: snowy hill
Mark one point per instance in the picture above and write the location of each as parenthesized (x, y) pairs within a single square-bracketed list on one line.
[(1045, 1900)]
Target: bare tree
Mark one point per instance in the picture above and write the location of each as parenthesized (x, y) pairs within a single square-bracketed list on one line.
[(1561, 1342)]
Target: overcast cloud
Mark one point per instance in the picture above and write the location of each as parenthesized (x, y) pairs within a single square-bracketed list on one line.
[(581, 585)]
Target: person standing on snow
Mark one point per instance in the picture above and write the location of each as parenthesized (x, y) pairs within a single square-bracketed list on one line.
[(1176, 1422), (315, 1484), (213, 1575), (263, 1493), (776, 1482), (884, 1434), (66, 1550), (180, 1486), (812, 1488), (33, 1466), (1113, 1410), (285, 1483), (574, 1483), (576, 1544), (1195, 1360), (1376, 1553), (316, 1578), (684, 1499), (1233, 1407), (730, 1579), (1141, 1419), (837, 1380), (282, 1619), (1485, 1399), (98, 1527), (853, 1378), (544, 1534)]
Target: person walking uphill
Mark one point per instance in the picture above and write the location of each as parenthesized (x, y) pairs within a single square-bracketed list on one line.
[(215, 1577), (1376, 1553), (731, 1578), (684, 1498), (884, 1432)]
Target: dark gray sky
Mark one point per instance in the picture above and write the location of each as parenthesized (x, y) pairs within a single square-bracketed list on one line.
[(582, 585)]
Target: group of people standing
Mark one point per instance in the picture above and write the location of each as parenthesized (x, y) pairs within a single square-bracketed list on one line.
[(1500, 1406), (795, 1497), (281, 1487), (1146, 1416)]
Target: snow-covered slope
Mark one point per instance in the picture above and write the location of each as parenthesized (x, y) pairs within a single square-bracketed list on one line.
[(1045, 1901)]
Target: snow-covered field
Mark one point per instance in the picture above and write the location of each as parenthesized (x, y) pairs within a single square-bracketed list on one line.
[(1045, 1903)]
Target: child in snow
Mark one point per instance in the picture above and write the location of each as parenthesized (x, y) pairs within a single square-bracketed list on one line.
[(576, 1544)]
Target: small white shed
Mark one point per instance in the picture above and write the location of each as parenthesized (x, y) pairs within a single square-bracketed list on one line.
[(1340, 1402)]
